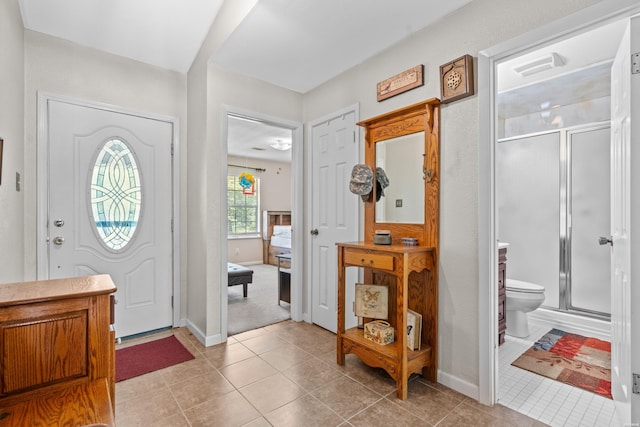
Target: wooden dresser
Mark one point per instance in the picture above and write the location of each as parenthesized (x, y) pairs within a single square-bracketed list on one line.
[(57, 352)]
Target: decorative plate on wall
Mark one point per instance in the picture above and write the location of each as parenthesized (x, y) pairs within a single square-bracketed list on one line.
[(456, 79)]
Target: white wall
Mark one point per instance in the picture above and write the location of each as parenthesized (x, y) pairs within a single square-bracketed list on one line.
[(60, 67), (210, 90), (64, 68), (12, 131), (479, 25)]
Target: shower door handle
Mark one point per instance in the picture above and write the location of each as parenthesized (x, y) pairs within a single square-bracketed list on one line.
[(605, 241)]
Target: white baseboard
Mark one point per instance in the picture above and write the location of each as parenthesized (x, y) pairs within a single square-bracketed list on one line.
[(459, 385), (204, 340)]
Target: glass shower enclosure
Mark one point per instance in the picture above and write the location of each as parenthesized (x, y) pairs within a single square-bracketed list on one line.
[(552, 193)]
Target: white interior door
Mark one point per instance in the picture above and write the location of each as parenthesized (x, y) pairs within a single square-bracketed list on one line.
[(334, 212), (110, 207), (625, 205)]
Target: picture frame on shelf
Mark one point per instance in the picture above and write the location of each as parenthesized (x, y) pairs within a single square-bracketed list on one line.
[(372, 301)]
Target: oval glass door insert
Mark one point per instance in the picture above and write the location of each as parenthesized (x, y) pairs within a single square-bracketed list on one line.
[(115, 194)]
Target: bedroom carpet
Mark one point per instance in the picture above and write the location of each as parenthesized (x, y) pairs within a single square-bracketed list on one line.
[(260, 308), (572, 359)]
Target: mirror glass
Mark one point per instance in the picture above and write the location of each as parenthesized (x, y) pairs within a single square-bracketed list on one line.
[(402, 160)]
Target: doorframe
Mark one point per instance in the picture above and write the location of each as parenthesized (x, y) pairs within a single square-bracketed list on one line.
[(297, 216), (355, 108), (42, 195), (584, 20)]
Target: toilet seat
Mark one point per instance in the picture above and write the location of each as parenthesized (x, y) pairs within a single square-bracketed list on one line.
[(514, 285)]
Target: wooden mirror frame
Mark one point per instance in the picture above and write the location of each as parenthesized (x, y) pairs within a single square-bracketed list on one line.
[(423, 116)]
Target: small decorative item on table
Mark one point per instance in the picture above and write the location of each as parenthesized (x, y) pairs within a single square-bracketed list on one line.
[(409, 241), (382, 237), (379, 332)]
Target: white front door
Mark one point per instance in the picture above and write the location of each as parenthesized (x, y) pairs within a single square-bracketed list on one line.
[(334, 211), (625, 207), (110, 207)]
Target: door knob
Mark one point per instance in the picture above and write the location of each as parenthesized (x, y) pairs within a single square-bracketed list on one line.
[(314, 232), (58, 240), (605, 241)]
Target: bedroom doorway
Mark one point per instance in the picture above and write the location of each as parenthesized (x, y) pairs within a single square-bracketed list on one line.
[(261, 211)]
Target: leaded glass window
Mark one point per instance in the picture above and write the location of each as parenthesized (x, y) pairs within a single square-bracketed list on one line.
[(116, 194)]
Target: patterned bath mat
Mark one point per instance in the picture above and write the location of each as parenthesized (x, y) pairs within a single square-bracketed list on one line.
[(570, 358)]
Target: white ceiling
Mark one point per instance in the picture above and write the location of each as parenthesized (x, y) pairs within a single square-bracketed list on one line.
[(253, 139), (166, 33), (300, 44), (583, 75), (295, 44)]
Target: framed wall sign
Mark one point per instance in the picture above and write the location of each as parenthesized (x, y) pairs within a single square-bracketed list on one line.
[(456, 79), (409, 79)]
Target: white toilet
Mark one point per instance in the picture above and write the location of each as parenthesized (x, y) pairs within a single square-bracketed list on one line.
[(522, 297)]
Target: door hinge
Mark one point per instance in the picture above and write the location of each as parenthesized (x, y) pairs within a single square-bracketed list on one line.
[(171, 301), (172, 225), (636, 384), (172, 148), (635, 63)]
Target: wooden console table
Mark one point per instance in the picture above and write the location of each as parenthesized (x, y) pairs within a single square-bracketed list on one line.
[(56, 339), (408, 271)]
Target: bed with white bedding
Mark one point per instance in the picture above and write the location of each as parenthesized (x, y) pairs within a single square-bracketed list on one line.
[(280, 242)]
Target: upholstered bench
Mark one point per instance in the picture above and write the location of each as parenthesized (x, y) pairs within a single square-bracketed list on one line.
[(239, 275)]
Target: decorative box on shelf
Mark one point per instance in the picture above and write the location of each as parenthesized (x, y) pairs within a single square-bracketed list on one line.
[(379, 331), (382, 237)]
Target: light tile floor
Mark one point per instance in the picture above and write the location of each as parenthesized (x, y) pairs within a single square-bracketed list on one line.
[(543, 399), (286, 375)]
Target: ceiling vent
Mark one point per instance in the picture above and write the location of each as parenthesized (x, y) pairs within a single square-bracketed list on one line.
[(538, 65)]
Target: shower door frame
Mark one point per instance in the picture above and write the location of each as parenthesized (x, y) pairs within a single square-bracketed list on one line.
[(565, 214), (566, 161)]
